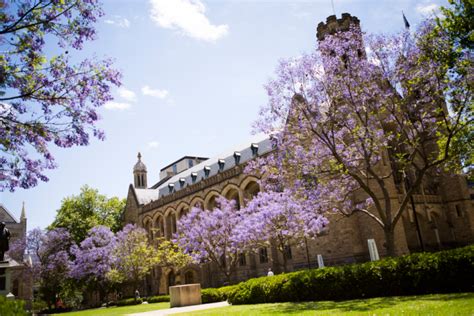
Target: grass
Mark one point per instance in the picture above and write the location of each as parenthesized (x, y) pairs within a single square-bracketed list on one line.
[(436, 304), (117, 311)]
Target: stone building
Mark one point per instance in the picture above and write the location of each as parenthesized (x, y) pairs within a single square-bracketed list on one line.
[(443, 214), (13, 276)]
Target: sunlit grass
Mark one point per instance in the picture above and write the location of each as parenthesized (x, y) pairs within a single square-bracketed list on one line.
[(117, 311), (437, 304)]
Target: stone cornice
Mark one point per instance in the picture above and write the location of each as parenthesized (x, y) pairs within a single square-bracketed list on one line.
[(191, 189)]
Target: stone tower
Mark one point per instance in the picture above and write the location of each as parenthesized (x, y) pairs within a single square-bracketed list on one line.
[(334, 25), (140, 174)]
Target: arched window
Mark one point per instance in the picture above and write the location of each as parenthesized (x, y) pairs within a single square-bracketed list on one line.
[(189, 277)]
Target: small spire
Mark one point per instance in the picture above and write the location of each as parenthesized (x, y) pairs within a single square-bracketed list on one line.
[(23, 213), (405, 21), (139, 156)]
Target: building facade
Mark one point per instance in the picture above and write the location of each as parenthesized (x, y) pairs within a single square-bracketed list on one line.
[(442, 216), (14, 277)]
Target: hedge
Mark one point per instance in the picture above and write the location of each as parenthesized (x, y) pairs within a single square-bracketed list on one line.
[(421, 273), (211, 295), (158, 299), (11, 307)]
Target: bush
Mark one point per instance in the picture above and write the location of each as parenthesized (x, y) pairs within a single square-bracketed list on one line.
[(211, 295), (129, 301), (158, 299), (421, 273), (11, 307)]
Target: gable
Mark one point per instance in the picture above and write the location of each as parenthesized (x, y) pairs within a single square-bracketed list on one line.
[(6, 216)]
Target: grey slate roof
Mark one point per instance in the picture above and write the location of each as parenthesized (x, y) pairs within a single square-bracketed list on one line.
[(174, 184)]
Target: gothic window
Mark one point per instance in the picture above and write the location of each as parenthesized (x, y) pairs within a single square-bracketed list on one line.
[(189, 277), (263, 254), (242, 259), (171, 279), (3, 279), (173, 223), (287, 252)]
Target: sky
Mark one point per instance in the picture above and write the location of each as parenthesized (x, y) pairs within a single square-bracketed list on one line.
[(193, 75)]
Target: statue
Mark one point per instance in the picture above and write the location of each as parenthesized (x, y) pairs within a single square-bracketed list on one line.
[(4, 240)]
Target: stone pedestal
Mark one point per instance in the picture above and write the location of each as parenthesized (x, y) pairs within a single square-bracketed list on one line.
[(185, 295)]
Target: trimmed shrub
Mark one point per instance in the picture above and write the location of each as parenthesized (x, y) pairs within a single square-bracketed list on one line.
[(211, 295), (422, 273), (11, 307), (158, 299)]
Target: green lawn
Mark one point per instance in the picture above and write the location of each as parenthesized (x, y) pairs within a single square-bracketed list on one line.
[(438, 304), (117, 311)]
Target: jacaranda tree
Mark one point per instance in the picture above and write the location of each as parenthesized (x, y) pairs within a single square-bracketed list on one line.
[(93, 260), (132, 257), (362, 116), (212, 236), (47, 99), (53, 263), (279, 219)]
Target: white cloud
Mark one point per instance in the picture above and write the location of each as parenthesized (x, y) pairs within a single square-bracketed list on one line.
[(187, 16), (157, 93), (153, 144), (427, 8), (126, 94), (111, 105), (118, 21)]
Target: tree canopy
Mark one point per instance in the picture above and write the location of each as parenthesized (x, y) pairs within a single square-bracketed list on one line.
[(46, 99), (362, 116), (78, 214)]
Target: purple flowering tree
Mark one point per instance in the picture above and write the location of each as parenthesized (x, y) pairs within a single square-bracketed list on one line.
[(212, 235), (280, 219), (53, 255), (93, 260), (47, 100), (132, 256), (363, 120)]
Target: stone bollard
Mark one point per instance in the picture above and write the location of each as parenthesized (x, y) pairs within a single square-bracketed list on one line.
[(185, 295)]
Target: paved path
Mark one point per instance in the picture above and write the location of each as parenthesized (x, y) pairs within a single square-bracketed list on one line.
[(176, 310)]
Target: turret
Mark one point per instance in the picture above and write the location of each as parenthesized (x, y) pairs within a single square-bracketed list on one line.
[(334, 25), (140, 174)]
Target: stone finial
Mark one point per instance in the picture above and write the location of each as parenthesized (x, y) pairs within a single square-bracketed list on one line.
[(23, 213), (334, 25), (139, 156)]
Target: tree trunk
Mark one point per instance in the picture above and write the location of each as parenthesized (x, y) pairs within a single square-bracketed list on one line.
[(307, 252), (390, 241), (285, 262)]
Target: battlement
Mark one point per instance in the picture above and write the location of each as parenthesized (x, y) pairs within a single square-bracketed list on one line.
[(334, 25)]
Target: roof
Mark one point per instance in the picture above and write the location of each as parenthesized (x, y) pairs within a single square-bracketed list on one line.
[(261, 143), (182, 158), (145, 196), (9, 264), (8, 217)]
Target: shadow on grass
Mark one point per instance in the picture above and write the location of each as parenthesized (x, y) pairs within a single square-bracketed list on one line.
[(361, 305)]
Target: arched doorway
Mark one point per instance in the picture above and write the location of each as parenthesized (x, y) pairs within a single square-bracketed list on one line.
[(171, 279), (189, 277)]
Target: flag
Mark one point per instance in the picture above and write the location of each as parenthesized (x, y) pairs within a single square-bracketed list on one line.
[(407, 25)]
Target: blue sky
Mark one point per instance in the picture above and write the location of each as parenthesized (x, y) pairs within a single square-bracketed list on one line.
[(193, 75)]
